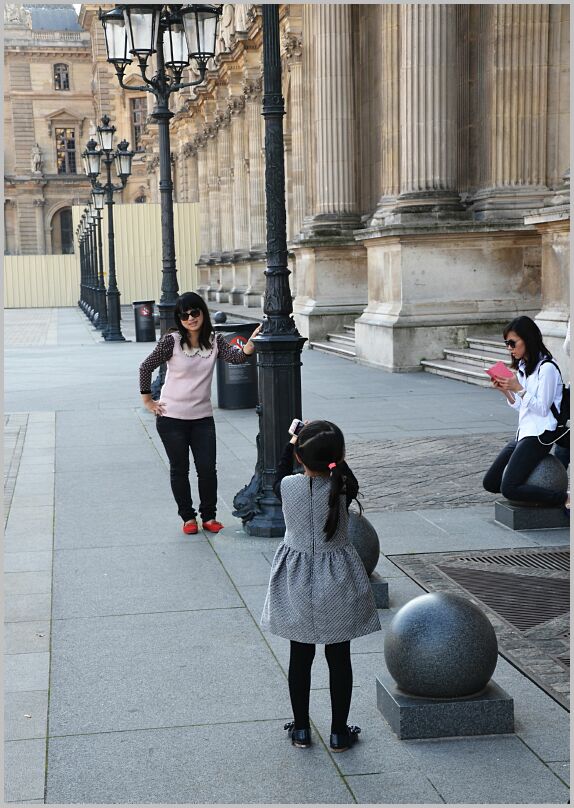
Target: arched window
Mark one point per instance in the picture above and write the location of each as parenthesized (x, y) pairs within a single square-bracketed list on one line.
[(61, 77), (62, 232)]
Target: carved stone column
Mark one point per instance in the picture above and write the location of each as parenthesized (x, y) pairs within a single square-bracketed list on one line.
[(256, 278), (293, 52), (213, 192), (39, 205), (240, 200), (200, 143), (512, 107), (225, 164), (191, 172)]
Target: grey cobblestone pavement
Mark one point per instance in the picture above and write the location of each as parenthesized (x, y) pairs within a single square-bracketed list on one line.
[(135, 667), (14, 433)]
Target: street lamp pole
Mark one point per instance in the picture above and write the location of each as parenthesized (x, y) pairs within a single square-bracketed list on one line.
[(113, 333), (98, 197), (279, 344), (177, 35)]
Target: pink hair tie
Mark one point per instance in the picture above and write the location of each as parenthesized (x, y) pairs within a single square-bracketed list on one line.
[(332, 466)]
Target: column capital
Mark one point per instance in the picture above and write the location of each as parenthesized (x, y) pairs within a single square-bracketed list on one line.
[(39, 203), (236, 104), (252, 88), (190, 149), (293, 46)]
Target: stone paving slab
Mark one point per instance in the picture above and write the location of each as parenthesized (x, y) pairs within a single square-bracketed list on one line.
[(23, 608), (249, 762), (156, 665), (28, 583), (27, 637), (28, 561), (25, 715), (394, 788), (26, 671), (149, 578), (24, 770)]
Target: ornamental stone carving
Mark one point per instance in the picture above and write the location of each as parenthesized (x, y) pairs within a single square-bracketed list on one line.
[(293, 46), (36, 159), (15, 14), (252, 87)]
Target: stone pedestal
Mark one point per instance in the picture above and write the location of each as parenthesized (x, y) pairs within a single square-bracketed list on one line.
[(240, 274), (331, 286), (225, 282), (528, 517), (429, 287), (255, 283), (491, 712)]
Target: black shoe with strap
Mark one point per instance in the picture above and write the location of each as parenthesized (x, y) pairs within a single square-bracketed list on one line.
[(299, 737), (341, 741)]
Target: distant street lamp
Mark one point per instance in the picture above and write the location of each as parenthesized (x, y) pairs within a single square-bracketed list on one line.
[(177, 35), (93, 157)]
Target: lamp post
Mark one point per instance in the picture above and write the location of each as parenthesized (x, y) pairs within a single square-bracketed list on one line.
[(177, 35), (93, 158), (98, 205), (279, 344)]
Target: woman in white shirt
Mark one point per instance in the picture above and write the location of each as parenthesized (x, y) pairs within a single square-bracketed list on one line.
[(536, 386)]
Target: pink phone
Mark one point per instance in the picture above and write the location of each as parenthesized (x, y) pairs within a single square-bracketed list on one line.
[(499, 371)]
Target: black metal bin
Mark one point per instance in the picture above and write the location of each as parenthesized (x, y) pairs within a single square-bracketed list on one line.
[(236, 384), (144, 319)]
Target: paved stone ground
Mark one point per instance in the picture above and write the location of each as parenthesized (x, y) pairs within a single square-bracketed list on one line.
[(162, 687)]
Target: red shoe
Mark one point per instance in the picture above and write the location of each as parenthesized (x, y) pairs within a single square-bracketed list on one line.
[(212, 525), (190, 527)]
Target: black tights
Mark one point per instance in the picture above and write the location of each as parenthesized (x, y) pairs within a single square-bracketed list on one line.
[(338, 658)]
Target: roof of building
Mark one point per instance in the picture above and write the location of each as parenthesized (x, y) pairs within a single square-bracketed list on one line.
[(53, 18)]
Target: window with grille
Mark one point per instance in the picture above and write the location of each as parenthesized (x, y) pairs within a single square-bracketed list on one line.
[(66, 231), (61, 77), (66, 151), (138, 108)]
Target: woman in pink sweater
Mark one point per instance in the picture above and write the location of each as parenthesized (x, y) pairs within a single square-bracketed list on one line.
[(184, 412)]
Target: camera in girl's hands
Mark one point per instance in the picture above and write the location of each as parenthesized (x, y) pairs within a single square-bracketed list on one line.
[(296, 426)]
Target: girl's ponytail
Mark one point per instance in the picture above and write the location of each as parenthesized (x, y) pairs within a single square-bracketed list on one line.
[(338, 481)]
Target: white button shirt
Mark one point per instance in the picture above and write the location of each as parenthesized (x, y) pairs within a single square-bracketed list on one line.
[(543, 388)]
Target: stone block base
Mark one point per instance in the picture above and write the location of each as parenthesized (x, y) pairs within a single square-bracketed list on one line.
[(222, 297), (253, 300), (380, 591), (489, 713), (236, 297), (528, 517)]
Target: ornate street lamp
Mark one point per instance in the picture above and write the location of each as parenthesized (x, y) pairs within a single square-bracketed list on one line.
[(279, 343), (97, 206), (93, 158), (178, 36)]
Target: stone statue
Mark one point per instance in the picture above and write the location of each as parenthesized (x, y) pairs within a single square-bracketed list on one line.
[(227, 30), (241, 16), (36, 161), (17, 15)]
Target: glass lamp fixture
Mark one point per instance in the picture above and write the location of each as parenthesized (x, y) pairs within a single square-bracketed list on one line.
[(141, 22), (175, 52), (106, 134), (92, 159), (123, 158), (200, 23), (98, 197), (116, 37)]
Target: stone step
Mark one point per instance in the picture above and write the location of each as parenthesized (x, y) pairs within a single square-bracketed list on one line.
[(475, 358), (487, 344), (350, 328), (332, 348), (456, 370), (342, 339)]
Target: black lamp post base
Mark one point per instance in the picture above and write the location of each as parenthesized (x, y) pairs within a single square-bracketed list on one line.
[(269, 523)]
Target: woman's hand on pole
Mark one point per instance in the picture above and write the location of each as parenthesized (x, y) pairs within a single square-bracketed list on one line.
[(249, 344)]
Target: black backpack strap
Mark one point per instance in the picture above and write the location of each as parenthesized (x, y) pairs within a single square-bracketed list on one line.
[(553, 409)]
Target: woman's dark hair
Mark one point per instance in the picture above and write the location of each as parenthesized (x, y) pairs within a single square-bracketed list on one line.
[(528, 331), (320, 444), (187, 302)]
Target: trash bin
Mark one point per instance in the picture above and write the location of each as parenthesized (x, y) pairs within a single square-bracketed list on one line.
[(145, 323), (236, 384)]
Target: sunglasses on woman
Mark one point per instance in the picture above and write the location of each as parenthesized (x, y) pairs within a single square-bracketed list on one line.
[(510, 343), (187, 314)]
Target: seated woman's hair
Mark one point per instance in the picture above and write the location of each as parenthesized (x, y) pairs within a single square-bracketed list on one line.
[(319, 445), (187, 302), (528, 331)]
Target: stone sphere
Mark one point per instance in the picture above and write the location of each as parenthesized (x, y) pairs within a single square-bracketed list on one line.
[(365, 540), (219, 317), (441, 645), (549, 474)]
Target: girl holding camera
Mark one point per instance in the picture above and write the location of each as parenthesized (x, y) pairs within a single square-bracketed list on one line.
[(533, 391), (184, 412), (318, 591)]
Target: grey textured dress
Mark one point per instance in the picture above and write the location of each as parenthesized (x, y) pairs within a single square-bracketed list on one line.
[(319, 591)]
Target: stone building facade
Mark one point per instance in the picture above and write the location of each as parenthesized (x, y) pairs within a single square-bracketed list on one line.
[(427, 167)]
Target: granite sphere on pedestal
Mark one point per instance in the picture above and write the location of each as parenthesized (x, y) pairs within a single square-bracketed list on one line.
[(549, 474), (219, 317), (364, 538), (441, 645)]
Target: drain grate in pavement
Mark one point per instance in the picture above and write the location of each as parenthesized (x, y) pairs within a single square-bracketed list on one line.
[(523, 602), (526, 600)]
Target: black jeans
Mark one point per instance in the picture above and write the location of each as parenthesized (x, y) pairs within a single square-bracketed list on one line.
[(340, 682), (178, 437), (520, 458)]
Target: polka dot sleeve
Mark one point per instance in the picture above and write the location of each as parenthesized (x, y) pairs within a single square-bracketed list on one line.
[(160, 354), (230, 353)]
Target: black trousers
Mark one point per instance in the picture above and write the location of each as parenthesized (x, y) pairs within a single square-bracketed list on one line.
[(338, 658), (178, 437), (520, 458)]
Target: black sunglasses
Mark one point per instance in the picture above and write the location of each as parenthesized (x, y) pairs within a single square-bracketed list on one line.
[(185, 315), (511, 343)]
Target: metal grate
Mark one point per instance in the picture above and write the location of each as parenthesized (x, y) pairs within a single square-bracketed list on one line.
[(524, 602), (556, 560)]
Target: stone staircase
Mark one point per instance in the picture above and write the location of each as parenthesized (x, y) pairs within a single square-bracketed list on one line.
[(341, 343), (468, 364)]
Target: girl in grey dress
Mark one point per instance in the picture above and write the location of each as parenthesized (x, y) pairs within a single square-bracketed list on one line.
[(318, 591)]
